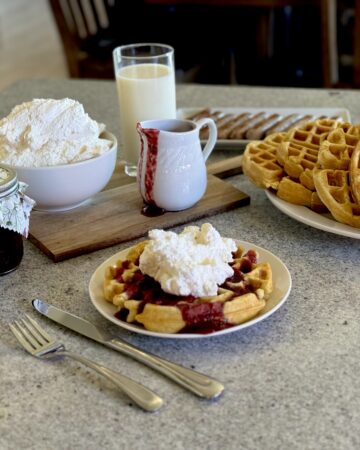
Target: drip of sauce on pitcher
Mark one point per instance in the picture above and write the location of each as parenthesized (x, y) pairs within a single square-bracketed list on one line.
[(150, 208)]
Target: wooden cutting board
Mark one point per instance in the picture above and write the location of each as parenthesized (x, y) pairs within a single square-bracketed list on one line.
[(114, 215)]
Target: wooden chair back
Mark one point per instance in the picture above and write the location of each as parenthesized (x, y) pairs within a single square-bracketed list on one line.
[(81, 22)]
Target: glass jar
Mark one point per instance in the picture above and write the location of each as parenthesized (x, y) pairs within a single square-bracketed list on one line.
[(15, 210), (11, 250)]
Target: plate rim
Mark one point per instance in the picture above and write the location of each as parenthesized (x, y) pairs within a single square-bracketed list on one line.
[(311, 218), (137, 329)]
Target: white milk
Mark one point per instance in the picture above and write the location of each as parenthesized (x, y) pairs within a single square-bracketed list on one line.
[(146, 91)]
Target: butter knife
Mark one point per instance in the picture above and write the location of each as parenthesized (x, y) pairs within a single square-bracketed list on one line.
[(196, 382)]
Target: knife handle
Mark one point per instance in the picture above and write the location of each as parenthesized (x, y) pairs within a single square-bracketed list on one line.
[(141, 395), (196, 382)]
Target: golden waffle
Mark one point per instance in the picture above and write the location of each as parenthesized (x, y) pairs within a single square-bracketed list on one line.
[(260, 163), (298, 162), (355, 173), (313, 133), (336, 151), (299, 151), (296, 158), (296, 155), (333, 187), (141, 300), (294, 192), (328, 148), (338, 173)]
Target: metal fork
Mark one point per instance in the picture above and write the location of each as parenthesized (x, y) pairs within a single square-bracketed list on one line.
[(38, 343)]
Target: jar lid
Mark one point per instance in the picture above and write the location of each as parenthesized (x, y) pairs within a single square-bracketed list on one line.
[(8, 181)]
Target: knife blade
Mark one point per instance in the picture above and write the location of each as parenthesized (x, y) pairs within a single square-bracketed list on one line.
[(198, 383)]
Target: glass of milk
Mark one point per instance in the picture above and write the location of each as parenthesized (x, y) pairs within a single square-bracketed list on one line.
[(145, 79)]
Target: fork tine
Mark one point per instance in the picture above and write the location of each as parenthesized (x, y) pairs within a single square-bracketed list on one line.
[(40, 330), (26, 333), (33, 338), (19, 336), (33, 333)]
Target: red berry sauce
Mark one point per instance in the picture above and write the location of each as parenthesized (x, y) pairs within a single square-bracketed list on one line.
[(204, 317)]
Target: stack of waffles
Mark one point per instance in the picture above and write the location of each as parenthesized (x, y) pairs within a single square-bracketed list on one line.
[(140, 299), (317, 165)]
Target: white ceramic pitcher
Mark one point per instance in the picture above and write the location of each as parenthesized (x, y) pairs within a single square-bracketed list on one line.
[(171, 169)]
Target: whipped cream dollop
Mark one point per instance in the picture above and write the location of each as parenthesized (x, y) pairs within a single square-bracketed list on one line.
[(48, 132), (194, 262)]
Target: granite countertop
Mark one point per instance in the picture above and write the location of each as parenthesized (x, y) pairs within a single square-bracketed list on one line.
[(292, 380)]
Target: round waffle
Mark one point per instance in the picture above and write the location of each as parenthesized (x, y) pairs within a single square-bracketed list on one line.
[(141, 300), (355, 173), (333, 187), (336, 151), (337, 176)]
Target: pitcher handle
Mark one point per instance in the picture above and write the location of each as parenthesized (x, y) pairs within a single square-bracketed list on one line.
[(210, 144)]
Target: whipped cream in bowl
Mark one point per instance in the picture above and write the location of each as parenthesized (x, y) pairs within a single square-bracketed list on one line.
[(58, 150), (48, 132)]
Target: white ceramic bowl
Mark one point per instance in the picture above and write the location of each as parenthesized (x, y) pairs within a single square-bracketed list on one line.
[(63, 187)]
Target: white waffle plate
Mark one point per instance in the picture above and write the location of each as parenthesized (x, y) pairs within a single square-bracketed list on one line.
[(281, 281), (305, 215)]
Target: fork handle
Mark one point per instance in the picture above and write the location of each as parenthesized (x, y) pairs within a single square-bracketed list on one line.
[(196, 382), (142, 396)]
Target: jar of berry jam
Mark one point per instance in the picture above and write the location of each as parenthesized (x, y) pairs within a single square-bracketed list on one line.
[(15, 209)]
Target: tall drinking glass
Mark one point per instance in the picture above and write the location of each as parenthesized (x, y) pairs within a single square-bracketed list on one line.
[(145, 80)]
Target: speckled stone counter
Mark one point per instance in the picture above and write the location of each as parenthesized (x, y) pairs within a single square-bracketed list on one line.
[(292, 381)]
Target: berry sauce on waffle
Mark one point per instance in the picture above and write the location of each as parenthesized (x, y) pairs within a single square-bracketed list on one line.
[(199, 316)]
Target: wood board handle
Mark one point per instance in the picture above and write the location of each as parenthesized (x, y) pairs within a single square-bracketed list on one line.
[(227, 167)]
